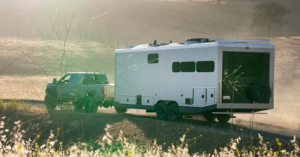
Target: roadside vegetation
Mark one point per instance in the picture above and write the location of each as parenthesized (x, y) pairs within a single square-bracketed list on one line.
[(39, 134)]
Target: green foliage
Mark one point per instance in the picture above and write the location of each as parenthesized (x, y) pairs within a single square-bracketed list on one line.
[(269, 15)]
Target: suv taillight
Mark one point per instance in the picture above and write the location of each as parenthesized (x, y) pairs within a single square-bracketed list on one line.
[(103, 92)]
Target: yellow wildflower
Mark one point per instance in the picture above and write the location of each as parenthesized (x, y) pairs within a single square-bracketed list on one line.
[(279, 143), (38, 136), (129, 153), (19, 147), (200, 135), (277, 140), (164, 143), (56, 153), (58, 129), (35, 144), (188, 129)]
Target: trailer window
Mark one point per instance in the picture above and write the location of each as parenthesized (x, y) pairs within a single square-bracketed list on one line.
[(205, 66), (153, 58), (176, 67), (187, 67)]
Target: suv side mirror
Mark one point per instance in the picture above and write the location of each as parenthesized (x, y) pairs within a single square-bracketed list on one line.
[(54, 80)]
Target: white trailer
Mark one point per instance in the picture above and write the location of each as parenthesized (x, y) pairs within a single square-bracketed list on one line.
[(184, 79)]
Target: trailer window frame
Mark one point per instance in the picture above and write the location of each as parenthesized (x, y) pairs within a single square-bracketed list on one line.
[(206, 67), (153, 59)]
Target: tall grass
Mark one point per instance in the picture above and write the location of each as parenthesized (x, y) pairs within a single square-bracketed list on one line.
[(13, 144)]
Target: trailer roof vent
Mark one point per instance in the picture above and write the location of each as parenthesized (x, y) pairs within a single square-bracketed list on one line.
[(196, 40)]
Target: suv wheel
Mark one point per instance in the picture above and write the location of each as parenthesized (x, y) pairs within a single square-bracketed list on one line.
[(50, 101), (90, 105)]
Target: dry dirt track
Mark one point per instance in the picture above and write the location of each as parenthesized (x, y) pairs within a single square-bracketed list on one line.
[(269, 132)]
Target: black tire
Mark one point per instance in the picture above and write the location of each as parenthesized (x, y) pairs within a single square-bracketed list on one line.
[(90, 105), (50, 101), (162, 111), (174, 113), (78, 104), (223, 118), (259, 92), (208, 116), (120, 109)]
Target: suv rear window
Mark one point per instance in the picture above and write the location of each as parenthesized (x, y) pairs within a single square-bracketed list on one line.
[(95, 79)]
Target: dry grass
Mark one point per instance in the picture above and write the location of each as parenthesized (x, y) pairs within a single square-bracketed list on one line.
[(34, 57), (23, 87), (141, 131)]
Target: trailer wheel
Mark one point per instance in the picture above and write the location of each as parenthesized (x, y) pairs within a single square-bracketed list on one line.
[(120, 109), (162, 111), (223, 118), (208, 116), (174, 113), (50, 101), (90, 105)]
